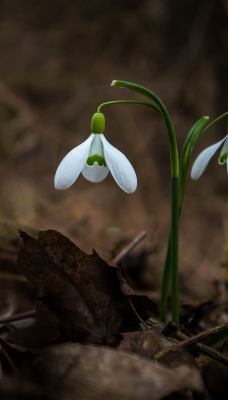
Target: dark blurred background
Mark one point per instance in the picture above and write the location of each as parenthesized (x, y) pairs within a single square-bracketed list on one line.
[(57, 60)]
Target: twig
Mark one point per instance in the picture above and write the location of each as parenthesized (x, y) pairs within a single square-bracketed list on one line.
[(211, 352), (192, 340), (17, 317), (129, 247), (137, 315), (12, 277), (121, 255)]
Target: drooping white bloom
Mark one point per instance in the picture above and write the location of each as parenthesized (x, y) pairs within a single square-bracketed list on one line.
[(203, 159), (94, 158)]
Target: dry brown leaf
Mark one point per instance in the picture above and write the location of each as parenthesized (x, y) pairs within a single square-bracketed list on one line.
[(82, 290), (148, 344), (89, 372)]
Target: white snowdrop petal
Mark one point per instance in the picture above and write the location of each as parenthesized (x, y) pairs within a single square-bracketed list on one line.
[(95, 173), (72, 165), (120, 168), (203, 159), (96, 145)]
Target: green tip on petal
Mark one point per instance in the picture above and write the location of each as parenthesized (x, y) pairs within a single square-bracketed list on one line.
[(223, 158), (98, 123), (95, 158)]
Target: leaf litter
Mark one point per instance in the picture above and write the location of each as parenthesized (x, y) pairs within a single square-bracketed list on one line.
[(91, 335)]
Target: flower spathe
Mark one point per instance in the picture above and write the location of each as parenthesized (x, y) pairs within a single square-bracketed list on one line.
[(94, 158), (203, 159)]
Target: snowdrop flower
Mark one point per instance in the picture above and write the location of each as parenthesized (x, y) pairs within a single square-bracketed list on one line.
[(203, 159), (94, 158)]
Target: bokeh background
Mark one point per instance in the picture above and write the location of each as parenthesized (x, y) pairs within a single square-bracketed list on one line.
[(57, 60)]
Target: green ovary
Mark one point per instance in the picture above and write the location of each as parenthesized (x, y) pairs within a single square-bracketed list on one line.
[(98, 123), (96, 158)]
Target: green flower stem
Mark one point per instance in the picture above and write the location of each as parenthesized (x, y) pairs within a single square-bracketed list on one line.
[(109, 103), (195, 133), (175, 251), (165, 283), (172, 254), (185, 160), (167, 270)]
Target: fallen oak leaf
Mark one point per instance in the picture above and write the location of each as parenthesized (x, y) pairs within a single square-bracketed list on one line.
[(82, 290)]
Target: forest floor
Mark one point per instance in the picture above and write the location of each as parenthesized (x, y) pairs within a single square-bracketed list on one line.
[(81, 269)]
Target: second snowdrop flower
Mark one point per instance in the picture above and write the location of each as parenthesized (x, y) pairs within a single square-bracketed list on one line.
[(203, 159), (94, 158)]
